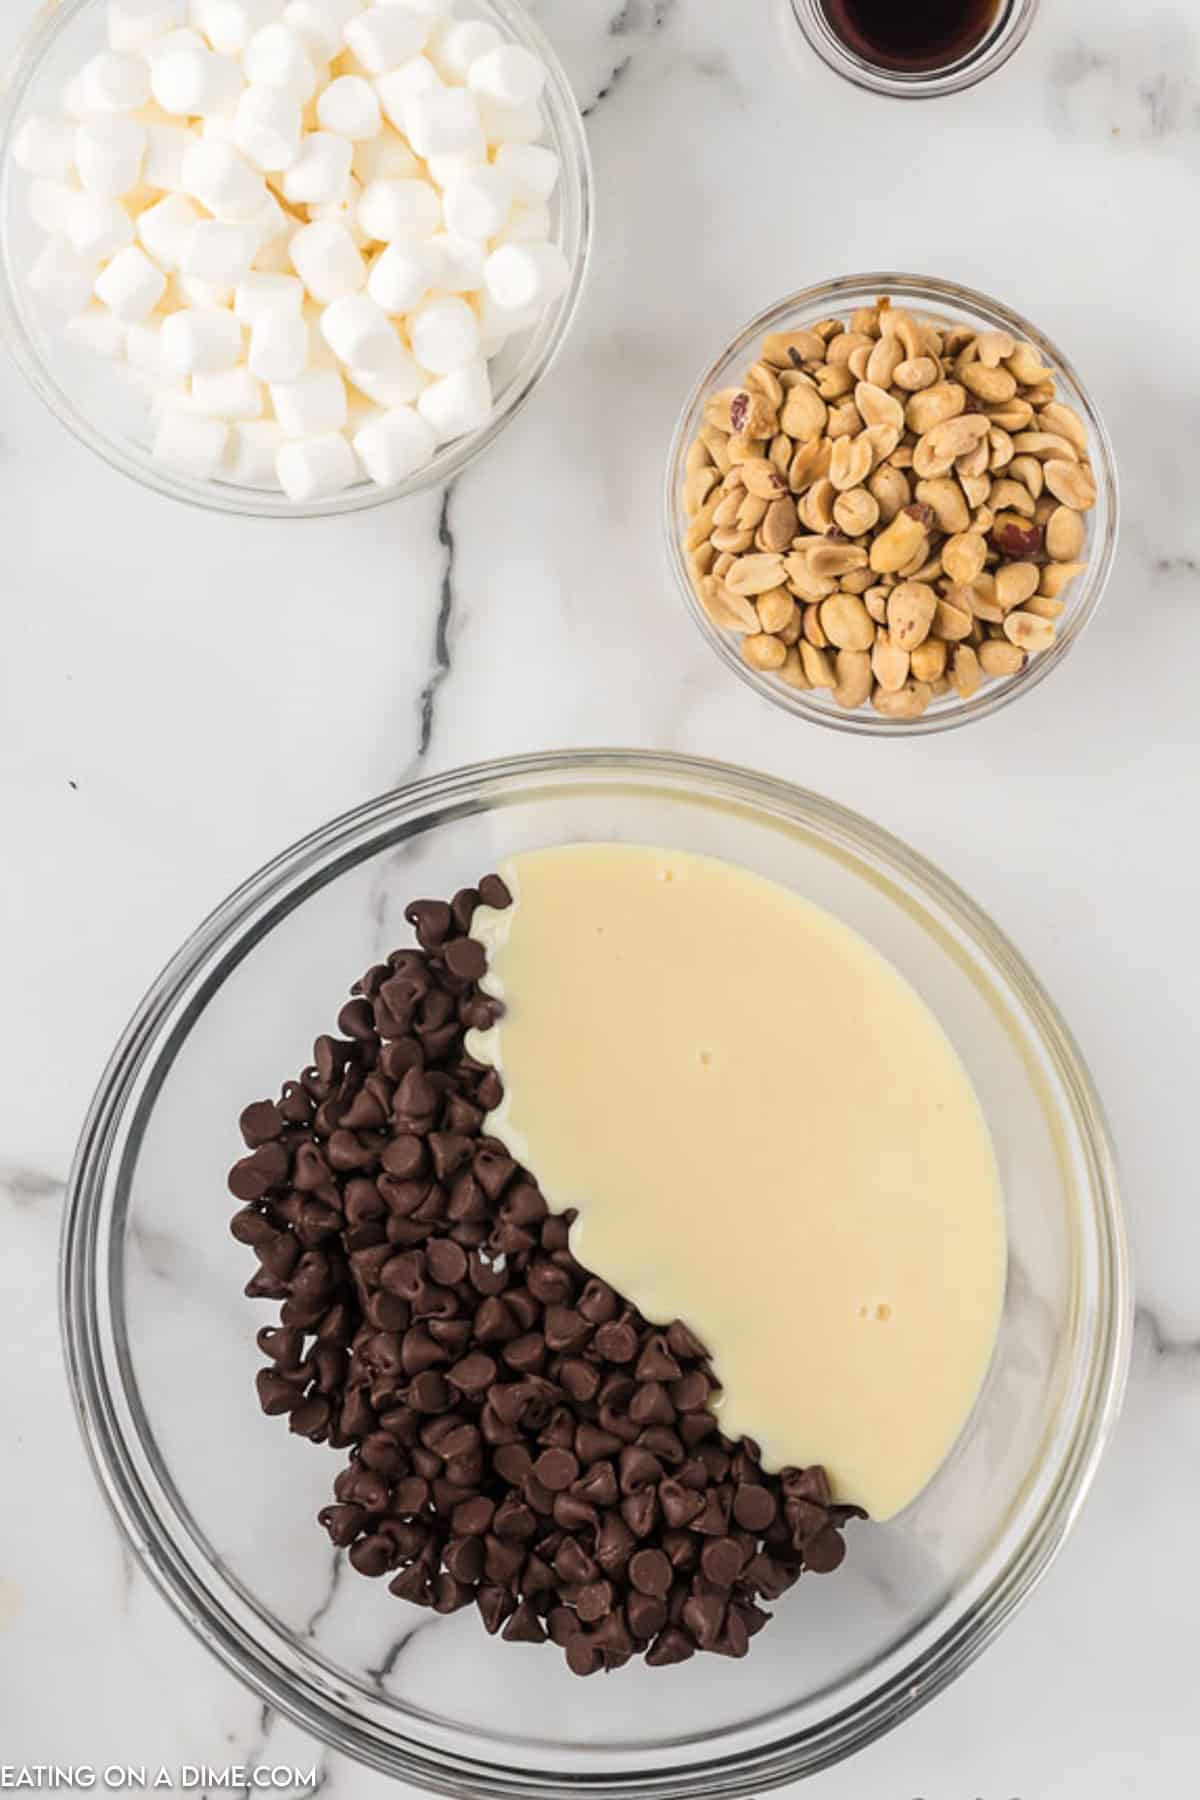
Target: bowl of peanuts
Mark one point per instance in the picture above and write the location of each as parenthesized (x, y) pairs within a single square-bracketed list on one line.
[(891, 505)]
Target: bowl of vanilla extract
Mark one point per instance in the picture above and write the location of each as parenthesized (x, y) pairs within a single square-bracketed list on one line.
[(914, 52)]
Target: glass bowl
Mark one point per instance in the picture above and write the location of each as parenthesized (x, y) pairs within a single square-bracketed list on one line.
[(107, 410), (1004, 37), (942, 302), (219, 1502)]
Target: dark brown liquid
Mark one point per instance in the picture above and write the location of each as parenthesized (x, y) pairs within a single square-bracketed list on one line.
[(911, 35)]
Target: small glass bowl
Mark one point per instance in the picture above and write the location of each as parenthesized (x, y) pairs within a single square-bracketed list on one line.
[(106, 409), (1003, 38), (944, 302), (219, 1503)]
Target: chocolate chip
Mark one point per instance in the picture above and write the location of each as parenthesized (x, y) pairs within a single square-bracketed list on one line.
[(646, 1615), (494, 893), (616, 1342), (556, 1470), (721, 1561), (465, 959), (650, 1573)]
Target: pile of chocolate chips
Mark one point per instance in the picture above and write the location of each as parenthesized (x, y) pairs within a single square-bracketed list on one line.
[(520, 1438)]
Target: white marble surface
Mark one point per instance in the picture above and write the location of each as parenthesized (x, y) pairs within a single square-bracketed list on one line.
[(182, 695)]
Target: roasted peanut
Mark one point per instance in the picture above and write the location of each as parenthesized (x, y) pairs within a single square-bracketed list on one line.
[(764, 652), (1029, 632), (910, 614), (846, 622), (908, 702)]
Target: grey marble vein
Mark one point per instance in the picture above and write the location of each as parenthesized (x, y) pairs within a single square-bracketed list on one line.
[(426, 704), (640, 17), (26, 1187), (321, 1610), (387, 1663), (1171, 1352)]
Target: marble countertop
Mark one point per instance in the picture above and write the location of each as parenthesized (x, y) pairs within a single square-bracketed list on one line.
[(181, 695)]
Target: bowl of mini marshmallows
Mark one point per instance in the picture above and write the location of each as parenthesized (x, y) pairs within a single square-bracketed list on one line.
[(289, 257)]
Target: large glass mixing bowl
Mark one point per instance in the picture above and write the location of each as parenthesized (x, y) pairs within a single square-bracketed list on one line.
[(219, 1502)]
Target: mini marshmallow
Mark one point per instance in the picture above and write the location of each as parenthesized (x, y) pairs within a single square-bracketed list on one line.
[(350, 107), (383, 158), (312, 404), (384, 37), (443, 170), (218, 130), (402, 277), (525, 225), (459, 403), (230, 24), (114, 83), (359, 332), (195, 83), (182, 39), (272, 221), (316, 469), (278, 57), (326, 258), (258, 293), (321, 171), (99, 331), (99, 228), (477, 203), (432, 11), (61, 277), (519, 275), (166, 229), (399, 87), (461, 43), (279, 344), (462, 261), (109, 152), (251, 453), (222, 180), (396, 383), (220, 251), (497, 323), (359, 412), (190, 443), (443, 122), (532, 170), (133, 24), (45, 146), (322, 22), (510, 74), (131, 285), (228, 394), (345, 213), (193, 290), (275, 258), (166, 147), (400, 212), (444, 334), (52, 205), (268, 126), (395, 445), (143, 348), (200, 341), (320, 356), (504, 124)]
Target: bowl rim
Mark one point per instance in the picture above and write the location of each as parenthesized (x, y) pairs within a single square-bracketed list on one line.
[(89, 1254), (921, 291), (577, 186)]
